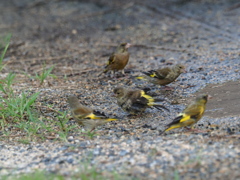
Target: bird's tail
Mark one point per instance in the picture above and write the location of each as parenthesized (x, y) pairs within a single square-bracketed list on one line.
[(95, 116), (169, 128), (160, 107), (106, 70), (141, 77), (159, 99), (151, 73), (153, 101), (99, 115), (111, 119)]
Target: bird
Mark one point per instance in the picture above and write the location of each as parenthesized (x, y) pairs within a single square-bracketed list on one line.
[(163, 76), (119, 59), (85, 116), (190, 115), (136, 101)]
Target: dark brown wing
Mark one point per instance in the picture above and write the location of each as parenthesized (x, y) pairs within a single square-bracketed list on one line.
[(99, 114), (162, 73), (111, 59), (151, 73), (175, 121), (137, 100), (82, 111)]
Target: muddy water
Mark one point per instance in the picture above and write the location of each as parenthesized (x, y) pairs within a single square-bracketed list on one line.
[(225, 99)]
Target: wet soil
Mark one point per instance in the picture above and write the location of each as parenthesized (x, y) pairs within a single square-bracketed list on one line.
[(225, 99)]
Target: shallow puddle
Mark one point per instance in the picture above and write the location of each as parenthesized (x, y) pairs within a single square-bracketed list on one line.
[(225, 99)]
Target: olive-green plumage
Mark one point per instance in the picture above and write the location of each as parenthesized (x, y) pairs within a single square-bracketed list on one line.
[(135, 101), (190, 115), (86, 116), (119, 59), (163, 76)]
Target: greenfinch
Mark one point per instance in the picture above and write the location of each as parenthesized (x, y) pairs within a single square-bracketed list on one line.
[(163, 76), (136, 101), (119, 59), (190, 115), (86, 116)]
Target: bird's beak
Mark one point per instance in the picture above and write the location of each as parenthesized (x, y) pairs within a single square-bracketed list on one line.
[(184, 71), (128, 45), (113, 95), (209, 97)]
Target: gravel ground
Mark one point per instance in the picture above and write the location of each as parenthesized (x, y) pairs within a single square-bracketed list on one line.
[(77, 37)]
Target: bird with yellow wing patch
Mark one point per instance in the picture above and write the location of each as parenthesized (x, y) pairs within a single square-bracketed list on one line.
[(136, 101), (190, 115), (85, 116)]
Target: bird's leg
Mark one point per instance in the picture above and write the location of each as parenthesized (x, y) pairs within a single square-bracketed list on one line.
[(112, 75), (119, 75)]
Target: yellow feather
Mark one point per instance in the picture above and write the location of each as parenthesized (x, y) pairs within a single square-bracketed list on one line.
[(92, 116), (149, 98), (109, 62), (140, 77), (152, 75), (184, 118), (173, 127), (111, 119), (201, 110)]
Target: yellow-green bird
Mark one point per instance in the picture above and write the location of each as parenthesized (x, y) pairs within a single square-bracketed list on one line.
[(190, 115), (163, 76), (119, 59), (86, 116), (136, 101)]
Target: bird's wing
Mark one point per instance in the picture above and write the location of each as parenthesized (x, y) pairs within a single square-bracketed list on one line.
[(176, 120), (194, 110), (151, 73), (163, 73), (136, 100), (142, 98), (145, 100), (141, 101), (82, 111), (111, 59), (96, 115)]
